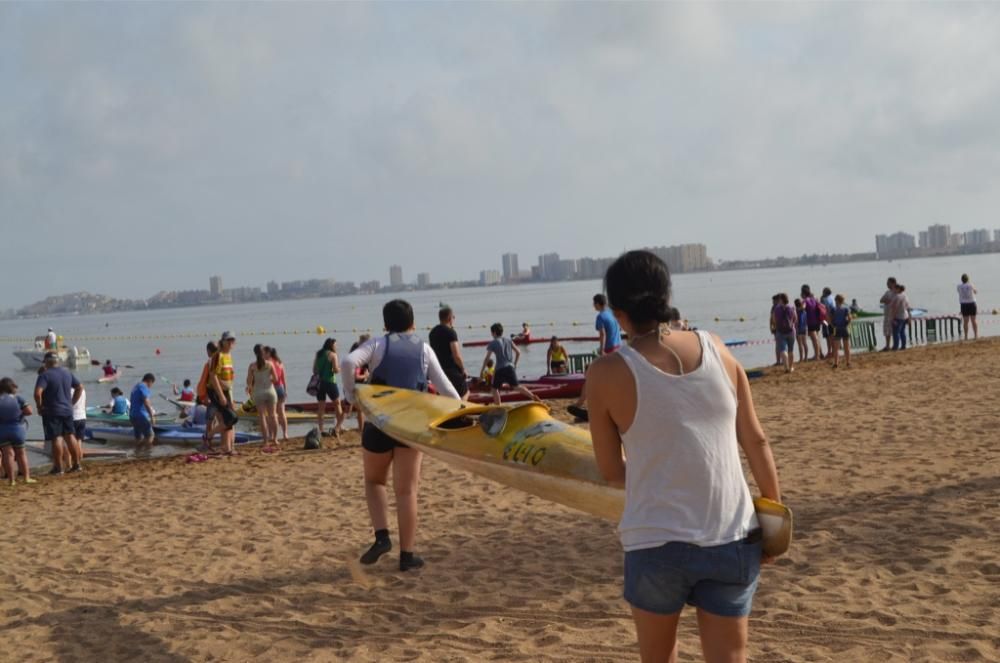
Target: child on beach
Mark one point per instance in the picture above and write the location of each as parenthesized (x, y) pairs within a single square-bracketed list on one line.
[(486, 375), (841, 331), (801, 329), (689, 529), (507, 356)]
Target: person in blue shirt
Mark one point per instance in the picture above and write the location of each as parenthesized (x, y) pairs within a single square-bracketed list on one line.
[(608, 331), (610, 337), (56, 391), (141, 415), (13, 431)]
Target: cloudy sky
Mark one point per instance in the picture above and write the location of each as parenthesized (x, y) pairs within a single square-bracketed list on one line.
[(146, 146)]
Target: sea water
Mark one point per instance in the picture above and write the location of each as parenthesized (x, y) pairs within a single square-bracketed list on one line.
[(170, 343)]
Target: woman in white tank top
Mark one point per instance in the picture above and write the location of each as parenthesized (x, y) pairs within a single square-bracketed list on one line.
[(679, 405)]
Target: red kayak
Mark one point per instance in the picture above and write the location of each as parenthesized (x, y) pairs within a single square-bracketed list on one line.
[(533, 339)]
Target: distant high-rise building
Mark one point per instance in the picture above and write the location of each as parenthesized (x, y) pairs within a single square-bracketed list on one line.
[(896, 245), (977, 237), (423, 280), (396, 276), (938, 236), (996, 235), (215, 286), (511, 273), (489, 277), (684, 257), (548, 266), (957, 240), (924, 239), (273, 288)]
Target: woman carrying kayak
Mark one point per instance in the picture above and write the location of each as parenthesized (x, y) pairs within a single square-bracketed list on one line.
[(689, 529), (398, 359)]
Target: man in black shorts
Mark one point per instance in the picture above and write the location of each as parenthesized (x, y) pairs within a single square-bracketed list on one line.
[(444, 341), (56, 390)]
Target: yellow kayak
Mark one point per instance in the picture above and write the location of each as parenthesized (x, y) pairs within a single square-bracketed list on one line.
[(517, 445), (521, 446), (250, 414)]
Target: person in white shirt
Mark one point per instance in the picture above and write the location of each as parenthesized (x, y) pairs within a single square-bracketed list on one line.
[(678, 406), (967, 301), (79, 423), (402, 360)]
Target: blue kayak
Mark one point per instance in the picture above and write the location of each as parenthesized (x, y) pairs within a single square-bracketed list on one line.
[(172, 434)]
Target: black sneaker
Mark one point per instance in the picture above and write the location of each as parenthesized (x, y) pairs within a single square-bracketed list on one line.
[(55, 471), (578, 412), (413, 562), (378, 549), (74, 469)]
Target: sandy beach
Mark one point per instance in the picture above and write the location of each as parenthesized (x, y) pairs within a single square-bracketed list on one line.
[(892, 468)]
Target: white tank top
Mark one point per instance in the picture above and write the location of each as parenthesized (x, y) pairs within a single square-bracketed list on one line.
[(683, 478)]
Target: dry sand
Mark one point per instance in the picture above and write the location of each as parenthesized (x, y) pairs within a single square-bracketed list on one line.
[(892, 467)]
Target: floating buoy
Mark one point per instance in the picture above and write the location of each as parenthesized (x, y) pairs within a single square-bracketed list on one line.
[(320, 329), (716, 319), (157, 352), (742, 319)]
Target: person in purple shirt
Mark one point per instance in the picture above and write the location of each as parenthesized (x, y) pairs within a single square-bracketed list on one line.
[(56, 390)]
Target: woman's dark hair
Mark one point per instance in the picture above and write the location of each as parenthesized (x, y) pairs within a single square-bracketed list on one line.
[(827, 291), (211, 347), (638, 284), (258, 352), (783, 298), (965, 278), (327, 347), (187, 383), (806, 292), (7, 386), (798, 303), (274, 353), (675, 315), (496, 329), (397, 316)]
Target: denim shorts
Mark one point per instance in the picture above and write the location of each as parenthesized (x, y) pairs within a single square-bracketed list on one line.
[(720, 580), (785, 342)]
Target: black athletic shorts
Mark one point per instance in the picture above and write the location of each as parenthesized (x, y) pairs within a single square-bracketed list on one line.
[(226, 413), (80, 429), (377, 442), (506, 375), (969, 308), (458, 381), (55, 426), (326, 390)]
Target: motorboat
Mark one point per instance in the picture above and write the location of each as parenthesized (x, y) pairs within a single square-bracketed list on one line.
[(71, 357)]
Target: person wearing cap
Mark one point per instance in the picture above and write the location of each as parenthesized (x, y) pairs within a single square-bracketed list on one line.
[(220, 391), (50, 339), (56, 391)]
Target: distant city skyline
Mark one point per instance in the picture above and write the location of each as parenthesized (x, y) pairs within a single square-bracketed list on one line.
[(938, 239)]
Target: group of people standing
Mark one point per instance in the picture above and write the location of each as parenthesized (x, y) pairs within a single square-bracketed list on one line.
[(801, 325)]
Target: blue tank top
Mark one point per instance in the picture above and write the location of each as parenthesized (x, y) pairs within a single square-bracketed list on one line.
[(403, 363)]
